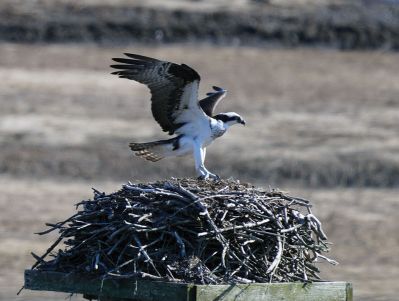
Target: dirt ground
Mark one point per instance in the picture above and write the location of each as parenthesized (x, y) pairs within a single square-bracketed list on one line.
[(314, 117), (321, 124)]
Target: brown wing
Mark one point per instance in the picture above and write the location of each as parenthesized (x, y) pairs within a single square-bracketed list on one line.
[(209, 103), (171, 86)]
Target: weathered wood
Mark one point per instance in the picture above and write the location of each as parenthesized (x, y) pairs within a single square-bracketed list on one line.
[(145, 290), (318, 291)]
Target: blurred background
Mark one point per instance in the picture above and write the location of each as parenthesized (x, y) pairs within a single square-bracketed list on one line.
[(316, 80)]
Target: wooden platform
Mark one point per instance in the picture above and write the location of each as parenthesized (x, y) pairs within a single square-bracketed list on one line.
[(144, 290)]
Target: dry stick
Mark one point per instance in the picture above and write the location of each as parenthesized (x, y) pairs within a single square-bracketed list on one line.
[(316, 223), (48, 251), (116, 244), (333, 262), (204, 212), (277, 259), (57, 225), (138, 242), (244, 226), (38, 258), (138, 274), (191, 196), (155, 192), (291, 228), (180, 242)]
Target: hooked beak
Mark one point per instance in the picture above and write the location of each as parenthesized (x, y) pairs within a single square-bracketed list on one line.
[(243, 122)]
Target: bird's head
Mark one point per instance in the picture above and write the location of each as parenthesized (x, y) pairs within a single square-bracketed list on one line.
[(230, 118)]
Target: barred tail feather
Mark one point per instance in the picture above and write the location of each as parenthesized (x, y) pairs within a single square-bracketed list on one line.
[(156, 150)]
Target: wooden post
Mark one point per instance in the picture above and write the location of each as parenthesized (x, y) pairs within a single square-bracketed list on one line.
[(145, 290)]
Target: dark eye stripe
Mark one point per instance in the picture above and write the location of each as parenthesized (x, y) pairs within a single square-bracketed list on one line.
[(226, 118)]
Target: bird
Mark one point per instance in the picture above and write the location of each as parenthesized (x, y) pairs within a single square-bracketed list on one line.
[(177, 109)]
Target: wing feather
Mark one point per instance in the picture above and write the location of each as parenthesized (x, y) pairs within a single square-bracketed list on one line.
[(209, 103), (174, 88)]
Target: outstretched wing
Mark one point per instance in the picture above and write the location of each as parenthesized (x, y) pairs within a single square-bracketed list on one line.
[(209, 103), (174, 88)]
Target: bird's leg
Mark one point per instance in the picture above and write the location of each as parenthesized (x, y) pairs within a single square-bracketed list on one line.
[(203, 154), (199, 157), (199, 165), (211, 175), (198, 160)]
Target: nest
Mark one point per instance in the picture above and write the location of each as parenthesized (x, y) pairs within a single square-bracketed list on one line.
[(184, 230)]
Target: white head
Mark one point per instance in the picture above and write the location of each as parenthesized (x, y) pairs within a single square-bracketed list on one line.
[(230, 118)]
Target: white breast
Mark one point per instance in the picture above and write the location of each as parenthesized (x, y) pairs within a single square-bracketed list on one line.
[(204, 131), (217, 129)]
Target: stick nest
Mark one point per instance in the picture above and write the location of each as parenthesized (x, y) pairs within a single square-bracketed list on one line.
[(185, 230)]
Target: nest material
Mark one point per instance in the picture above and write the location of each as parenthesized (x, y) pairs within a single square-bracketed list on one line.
[(186, 230)]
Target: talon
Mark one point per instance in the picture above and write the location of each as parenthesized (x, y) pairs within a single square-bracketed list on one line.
[(215, 177), (202, 177)]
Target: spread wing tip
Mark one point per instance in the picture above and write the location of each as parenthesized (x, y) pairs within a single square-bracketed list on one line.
[(209, 103), (218, 90), (119, 66), (120, 74)]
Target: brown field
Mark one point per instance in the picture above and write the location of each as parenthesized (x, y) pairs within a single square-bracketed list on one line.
[(321, 124)]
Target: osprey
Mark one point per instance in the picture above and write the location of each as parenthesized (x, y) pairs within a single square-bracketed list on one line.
[(175, 106)]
